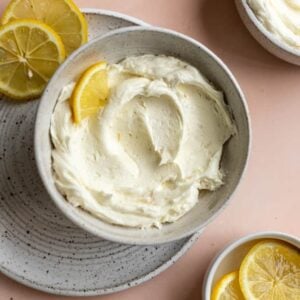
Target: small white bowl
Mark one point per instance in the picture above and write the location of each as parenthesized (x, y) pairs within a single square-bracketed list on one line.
[(230, 258), (268, 40), (114, 47)]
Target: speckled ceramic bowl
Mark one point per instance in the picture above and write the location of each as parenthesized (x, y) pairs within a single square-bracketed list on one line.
[(230, 258), (268, 40), (114, 47)]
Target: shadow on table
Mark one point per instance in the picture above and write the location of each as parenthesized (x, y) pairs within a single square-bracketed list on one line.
[(230, 39)]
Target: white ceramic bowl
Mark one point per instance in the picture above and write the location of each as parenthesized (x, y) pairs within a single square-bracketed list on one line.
[(114, 47), (230, 258), (268, 40)]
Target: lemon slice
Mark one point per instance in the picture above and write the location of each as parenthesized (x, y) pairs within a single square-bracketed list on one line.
[(30, 52), (271, 270), (62, 15), (90, 93), (227, 288)]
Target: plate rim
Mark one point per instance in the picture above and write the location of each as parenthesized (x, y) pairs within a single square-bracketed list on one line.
[(111, 13), (104, 291)]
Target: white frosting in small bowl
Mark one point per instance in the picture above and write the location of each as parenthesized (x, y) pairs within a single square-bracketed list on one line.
[(281, 18)]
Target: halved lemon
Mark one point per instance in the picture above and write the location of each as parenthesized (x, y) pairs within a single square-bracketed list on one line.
[(271, 270), (61, 15), (90, 93), (30, 52), (227, 288)]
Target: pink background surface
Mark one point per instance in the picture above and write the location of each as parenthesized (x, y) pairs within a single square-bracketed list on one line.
[(268, 197)]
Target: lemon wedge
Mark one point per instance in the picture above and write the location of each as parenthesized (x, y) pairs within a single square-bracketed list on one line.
[(271, 270), (30, 52), (90, 93), (227, 288), (61, 15)]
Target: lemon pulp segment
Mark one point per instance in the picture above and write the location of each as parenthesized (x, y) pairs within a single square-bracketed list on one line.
[(30, 52), (61, 15)]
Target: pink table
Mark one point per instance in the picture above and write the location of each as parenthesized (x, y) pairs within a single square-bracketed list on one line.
[(268, 197)]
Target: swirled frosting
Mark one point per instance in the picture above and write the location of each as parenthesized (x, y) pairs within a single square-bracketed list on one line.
[(141, 161), (281, 18)]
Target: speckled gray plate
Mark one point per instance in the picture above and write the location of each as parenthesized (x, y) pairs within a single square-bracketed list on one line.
[(38, 246)]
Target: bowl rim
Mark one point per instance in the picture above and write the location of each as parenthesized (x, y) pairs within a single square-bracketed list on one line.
[(262, 30), (222, 254), (103, 234)]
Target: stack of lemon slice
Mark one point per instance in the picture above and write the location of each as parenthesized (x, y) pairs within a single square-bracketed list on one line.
[(270, 271), (35, 38)]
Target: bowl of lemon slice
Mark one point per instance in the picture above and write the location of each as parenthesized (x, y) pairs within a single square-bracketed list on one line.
[(263, 265)]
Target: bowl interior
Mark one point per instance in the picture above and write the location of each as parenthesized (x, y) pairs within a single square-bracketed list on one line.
[(232, 261), (113, 48)]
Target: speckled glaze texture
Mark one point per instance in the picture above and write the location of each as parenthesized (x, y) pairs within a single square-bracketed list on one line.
[(264, 37), (39, 247), (114, 47)]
